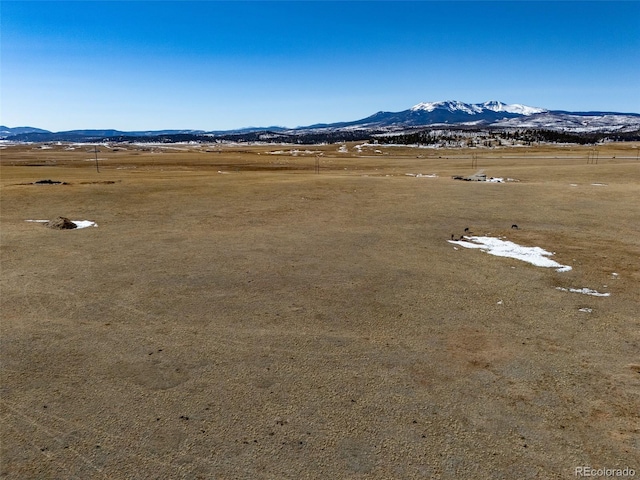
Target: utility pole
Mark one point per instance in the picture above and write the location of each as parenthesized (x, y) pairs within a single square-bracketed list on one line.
[(95, 150)]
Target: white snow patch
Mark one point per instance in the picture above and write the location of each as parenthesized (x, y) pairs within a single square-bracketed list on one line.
[(474, 108), (495, 180), (585, 291), (586, 310), (504, 248), (513, 108), (599, 184), (422, 175), (84, 223)]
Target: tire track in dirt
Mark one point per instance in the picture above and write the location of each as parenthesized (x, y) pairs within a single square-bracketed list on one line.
[(56, 432), (54, 435)]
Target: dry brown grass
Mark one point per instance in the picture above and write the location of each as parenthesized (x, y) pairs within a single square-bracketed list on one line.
[(268, 322)]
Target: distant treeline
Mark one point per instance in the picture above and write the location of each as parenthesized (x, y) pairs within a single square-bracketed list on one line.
[(492, 137), (463, 137)]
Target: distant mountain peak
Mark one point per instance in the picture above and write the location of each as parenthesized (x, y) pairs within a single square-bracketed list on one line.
[(443, 114), (476, 108), (449, 105), (518, 108)]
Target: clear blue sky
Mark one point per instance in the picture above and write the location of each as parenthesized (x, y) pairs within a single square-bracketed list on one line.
[(221, 65)]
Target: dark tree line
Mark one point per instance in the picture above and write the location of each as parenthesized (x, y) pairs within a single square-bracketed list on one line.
[(461, 137), (493, 137)]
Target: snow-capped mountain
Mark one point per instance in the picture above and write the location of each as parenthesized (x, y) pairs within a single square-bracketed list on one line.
[(513, 108), (449, 114), (452, 114), (477, 108)]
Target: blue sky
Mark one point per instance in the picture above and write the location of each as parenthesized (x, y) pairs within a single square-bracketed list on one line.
[(222, 65)]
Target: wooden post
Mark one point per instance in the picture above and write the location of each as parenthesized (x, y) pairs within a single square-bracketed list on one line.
[(95, 150)]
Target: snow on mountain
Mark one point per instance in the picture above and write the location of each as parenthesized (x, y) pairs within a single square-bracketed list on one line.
[(445, 114), (513, 108), (8, 132), (449, 105), (476, 108)]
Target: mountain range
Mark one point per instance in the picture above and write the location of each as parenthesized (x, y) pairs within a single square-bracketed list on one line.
[(447, 114)]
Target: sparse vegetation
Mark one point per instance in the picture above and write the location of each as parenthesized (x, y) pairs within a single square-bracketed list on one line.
[(237, 315)]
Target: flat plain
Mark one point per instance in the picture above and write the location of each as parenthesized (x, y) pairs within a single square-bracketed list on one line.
[(278, 311)]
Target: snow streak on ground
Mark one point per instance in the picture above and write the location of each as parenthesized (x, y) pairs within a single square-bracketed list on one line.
[(504, 248), (585, 291), (84, 223)]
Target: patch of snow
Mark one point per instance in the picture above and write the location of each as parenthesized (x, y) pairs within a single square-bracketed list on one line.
[(475, 108), (84, 223), (426, 106), (504, 248), (586, 310), (599, 184), (513, 108), (495, 180), (585, 291), (39, 221), (451, 106)]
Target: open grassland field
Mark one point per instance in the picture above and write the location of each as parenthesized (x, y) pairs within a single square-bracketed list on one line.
[(237, 315)]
